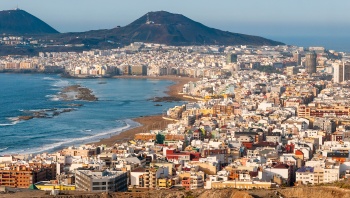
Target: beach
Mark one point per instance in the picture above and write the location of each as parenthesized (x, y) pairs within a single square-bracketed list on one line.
[(151, 122)]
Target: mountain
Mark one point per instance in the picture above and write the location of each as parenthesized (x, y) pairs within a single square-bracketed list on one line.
[(20, 22), (154, 27), (176, 29)]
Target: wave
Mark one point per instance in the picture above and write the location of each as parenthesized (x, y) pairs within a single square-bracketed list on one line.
[(2, 149), (14, 122), (53, 97), (49, 78), (50, 96), (61, 83), (3, 125), (129, 124)]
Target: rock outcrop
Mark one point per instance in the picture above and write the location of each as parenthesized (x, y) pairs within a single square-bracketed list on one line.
[(77, 92)]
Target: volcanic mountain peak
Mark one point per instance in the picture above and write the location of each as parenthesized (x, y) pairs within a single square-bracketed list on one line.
[(161, 18), (176, 29), (20, 22)]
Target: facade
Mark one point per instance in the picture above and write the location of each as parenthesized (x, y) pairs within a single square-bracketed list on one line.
[(317, 175), (324, 124), (243, 185), (52, 186), (341, 72), (310, 62), (93, 181), (194, 181), (231, 58), (23, 177), (297, 58), (150, 178), (139, 70), (320, 110)]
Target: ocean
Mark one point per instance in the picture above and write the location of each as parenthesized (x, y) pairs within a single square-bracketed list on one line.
[(339, 44), (119, 100)]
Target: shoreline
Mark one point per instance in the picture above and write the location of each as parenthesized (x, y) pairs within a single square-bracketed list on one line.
[(146, 122), (149, 122)]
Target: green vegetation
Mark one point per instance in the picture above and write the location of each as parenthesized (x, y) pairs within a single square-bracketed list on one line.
[(268, 69), (160, 138)]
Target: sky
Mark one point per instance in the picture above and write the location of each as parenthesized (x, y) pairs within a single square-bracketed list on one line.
[(268, 18)]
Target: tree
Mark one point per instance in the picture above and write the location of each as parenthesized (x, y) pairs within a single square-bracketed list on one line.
[(160, 138)]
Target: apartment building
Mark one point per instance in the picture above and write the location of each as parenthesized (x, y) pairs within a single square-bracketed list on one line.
[(150, 177), (23, 176), (101, 181), (320, 110), (194, 181)]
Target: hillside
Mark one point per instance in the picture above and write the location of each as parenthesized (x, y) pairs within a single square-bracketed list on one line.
[(20, 22), (154, 27), (175, 29)]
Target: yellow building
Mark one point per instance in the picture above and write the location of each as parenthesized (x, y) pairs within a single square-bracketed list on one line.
[(48, 186), (165, 183), (242, 185)]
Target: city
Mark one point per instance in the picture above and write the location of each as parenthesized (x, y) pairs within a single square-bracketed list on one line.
[(285, 125)]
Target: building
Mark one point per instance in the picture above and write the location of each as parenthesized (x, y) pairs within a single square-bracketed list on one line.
[(297, 57), (341, 72), (324, 124), (23, 176), (231, 58), (139, 70), (150, 178), (291, 70), (310, 62), (194, 181), (49, 186), (318, 175), (320, 110), (97, 181)]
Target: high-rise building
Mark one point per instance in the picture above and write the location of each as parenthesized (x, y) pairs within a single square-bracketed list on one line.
[(310, 62), (231, 58), (341, 72), (346, 68), (338, 74), (297, 57)]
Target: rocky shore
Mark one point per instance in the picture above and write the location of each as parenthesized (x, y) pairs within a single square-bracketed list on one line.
[(77, 92), (44, 113)]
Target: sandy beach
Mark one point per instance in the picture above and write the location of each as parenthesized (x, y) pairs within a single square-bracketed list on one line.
[(154, 121)]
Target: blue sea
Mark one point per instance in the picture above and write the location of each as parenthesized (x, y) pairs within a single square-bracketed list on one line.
[(119, 100), (339, 44)]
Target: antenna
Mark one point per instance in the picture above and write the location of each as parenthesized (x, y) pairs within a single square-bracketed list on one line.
[(148, 22)]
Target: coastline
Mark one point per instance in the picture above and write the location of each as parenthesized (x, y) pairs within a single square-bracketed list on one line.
[(148, 122), (173, 90)]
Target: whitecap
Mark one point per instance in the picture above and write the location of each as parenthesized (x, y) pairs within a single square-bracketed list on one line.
[(49, 78), (55, 98), (129, 124), (61, 83), (3, 125), (2, 149)]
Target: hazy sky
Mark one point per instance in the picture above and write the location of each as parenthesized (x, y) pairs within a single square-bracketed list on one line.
[(270, 18)]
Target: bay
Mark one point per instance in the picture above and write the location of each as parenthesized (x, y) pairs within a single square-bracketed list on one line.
[(119, 100)]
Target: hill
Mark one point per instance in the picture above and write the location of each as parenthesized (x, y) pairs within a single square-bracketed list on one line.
[(175, 29), (20, 22), (154, 27)]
